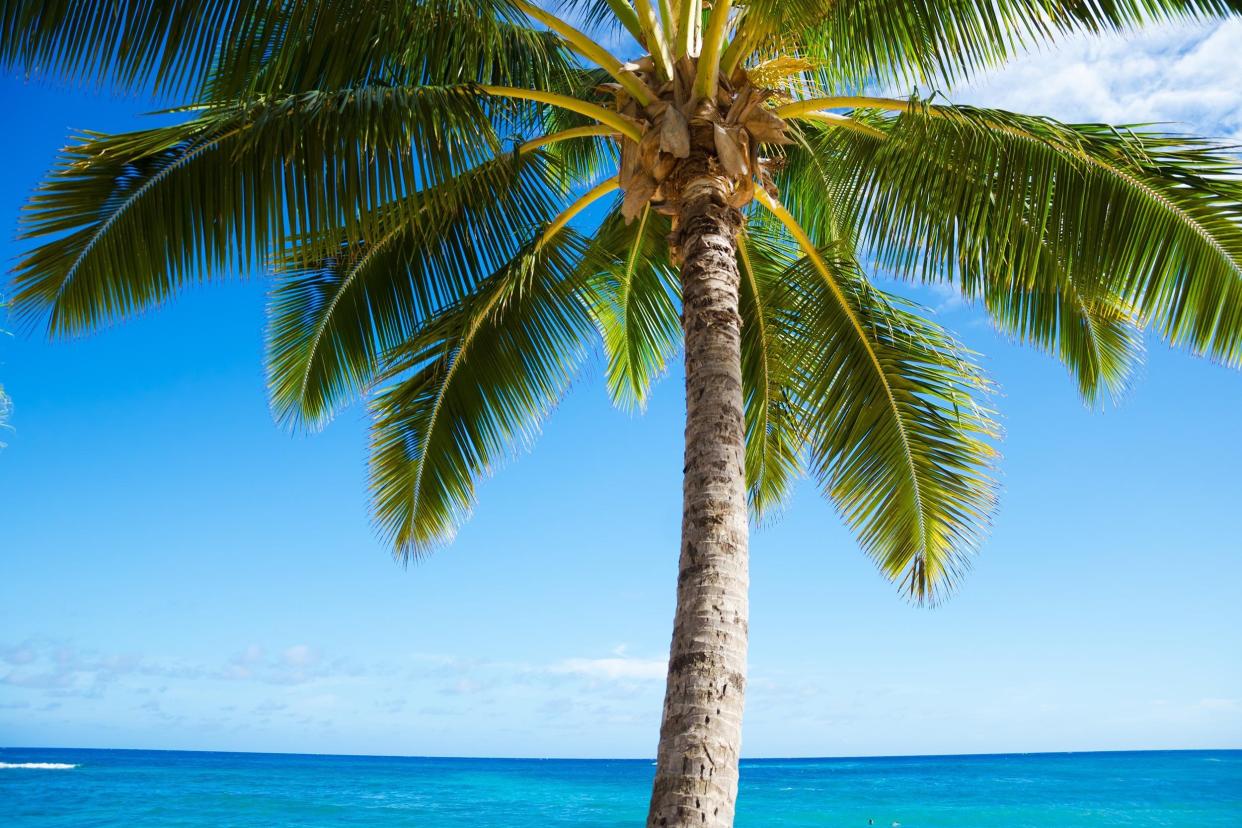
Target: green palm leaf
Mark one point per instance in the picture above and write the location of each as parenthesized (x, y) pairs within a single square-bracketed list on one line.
[(130, 43), (1091, 330), (775, 438), (231, 48), (125, 220), (585, 159), (1065, 231), (637, 303), (471, 387), (896, 438), (863, 42), (347, 43), (331, 322)]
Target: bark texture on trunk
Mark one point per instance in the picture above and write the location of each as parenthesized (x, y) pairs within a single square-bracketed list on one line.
[(700, 736)]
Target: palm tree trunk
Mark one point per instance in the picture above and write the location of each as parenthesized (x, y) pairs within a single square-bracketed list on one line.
[(700, 736)]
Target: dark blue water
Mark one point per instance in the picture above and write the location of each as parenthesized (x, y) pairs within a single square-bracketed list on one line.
[(159, 788)]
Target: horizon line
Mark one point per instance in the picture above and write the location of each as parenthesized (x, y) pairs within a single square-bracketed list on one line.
[(651, 759)]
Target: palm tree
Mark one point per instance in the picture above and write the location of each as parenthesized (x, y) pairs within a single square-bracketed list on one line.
[(412, 171)]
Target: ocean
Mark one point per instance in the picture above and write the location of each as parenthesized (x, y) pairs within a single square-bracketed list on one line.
[(60, 787)]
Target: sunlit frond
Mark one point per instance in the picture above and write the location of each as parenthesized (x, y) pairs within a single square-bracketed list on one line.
[(280, 47), (592, 51), (775, 435), (1089, 328), (470, 389), (897, 437), (864, 42), (1065, 231), (125, 220), (585, 160), (899, 440), (637, 303), (348, 43), (331, 321)]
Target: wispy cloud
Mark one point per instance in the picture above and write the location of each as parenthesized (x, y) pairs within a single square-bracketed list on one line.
[(612, 668), (303, 677), (65, 669), (1186, 76)]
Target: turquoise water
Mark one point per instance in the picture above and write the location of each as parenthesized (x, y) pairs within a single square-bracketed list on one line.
[(159, 788)]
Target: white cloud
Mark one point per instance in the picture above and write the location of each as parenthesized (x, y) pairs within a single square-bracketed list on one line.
[(1224, 705), (301, 655), (613, 669), (66, 670), (1187, 76), (251, 655)]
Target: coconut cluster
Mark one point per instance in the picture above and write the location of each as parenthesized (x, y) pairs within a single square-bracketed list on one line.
[(685, 136)]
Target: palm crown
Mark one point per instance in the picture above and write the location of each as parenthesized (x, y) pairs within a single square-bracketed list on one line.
[(412, 172)]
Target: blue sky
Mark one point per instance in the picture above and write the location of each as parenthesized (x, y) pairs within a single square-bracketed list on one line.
[(178, 572)]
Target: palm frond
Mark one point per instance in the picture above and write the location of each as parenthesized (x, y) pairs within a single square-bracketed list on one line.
[(584, 159), (129, 43), (592, 51), (471, 387), (863, 42), (125, 220), (775, 438), (637, 301), (233, 47), (349, 43), (1069, 233), (608, 17), (330, 322), (897, 439), (1090, 329), (895, 435)]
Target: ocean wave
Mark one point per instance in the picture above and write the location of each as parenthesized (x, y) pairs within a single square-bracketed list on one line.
[(37, 765)]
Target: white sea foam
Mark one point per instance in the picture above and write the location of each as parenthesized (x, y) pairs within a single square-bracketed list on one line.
[(37, 765)]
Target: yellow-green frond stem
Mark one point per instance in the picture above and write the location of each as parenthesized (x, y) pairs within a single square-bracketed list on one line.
[(584, 201), (708, 73), (625, 15), (657, 43), (812, 252), (798, 109), (844, 122), (745, 35), (565, 135), (669, 15), (605, 116), (689, 23), (591, 50)]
